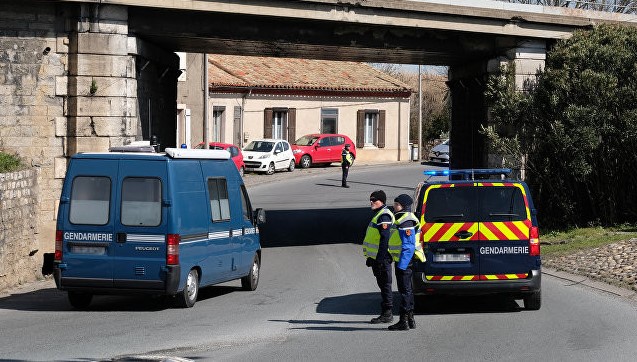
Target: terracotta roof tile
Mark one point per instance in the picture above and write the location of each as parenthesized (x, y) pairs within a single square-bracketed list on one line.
[(298, 74)]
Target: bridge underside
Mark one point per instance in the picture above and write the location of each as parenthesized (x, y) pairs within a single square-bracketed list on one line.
[(197, 32)]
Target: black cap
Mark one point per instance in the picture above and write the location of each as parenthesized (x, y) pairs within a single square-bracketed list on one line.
[(405, 200), (347, 145), (378, 195)]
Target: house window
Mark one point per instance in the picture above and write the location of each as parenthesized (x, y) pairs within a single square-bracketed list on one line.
[(371, 122), (279, 123), (217, 124), (370, 128), (329, 120)]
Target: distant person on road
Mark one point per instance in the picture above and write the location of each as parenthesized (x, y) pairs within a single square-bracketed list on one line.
[(376, 250), (347, 159), (403, 247)]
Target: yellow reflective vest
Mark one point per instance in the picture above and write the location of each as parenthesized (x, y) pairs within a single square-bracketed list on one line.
[(346, 156), (372, 235), (405, 242)]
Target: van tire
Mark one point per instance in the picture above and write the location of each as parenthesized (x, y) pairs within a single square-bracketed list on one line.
[(291, 167), (533, 301), (270, 169), (187, 297), (80, 300), (306, 161), (251, 281)]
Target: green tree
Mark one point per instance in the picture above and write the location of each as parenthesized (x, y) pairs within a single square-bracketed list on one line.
[(579, 128)]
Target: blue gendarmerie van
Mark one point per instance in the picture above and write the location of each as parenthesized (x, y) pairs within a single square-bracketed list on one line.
[(156, 223)]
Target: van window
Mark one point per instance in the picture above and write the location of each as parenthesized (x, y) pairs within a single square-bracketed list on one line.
[(451, 205), (219, 205), (502, 204), (90, 200), (245, 204), (141, 201)]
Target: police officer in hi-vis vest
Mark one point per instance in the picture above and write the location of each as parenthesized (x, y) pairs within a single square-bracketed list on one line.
[(404, 245), (347, 159), (376, 250)]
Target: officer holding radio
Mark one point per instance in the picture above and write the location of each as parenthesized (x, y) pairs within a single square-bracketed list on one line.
[(376, 250)]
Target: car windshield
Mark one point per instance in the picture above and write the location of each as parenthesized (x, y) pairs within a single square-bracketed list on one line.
[(259, 146), (306, 141)]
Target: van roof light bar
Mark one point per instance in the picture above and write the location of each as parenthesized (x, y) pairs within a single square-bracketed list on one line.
[(469, 174)]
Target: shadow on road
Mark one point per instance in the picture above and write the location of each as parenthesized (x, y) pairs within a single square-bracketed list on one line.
[(368, 304), (312, 227), (54, 300)]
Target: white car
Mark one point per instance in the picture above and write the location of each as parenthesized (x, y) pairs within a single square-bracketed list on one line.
[(268, 155)]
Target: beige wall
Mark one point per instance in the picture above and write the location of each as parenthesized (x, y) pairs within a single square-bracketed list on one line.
[(308, 117)]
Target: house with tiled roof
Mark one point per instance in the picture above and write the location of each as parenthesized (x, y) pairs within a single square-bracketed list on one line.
[(285, 98)]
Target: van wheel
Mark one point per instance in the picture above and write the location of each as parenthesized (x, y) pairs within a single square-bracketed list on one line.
[(305, 162), (242, 171), (80, 300), (270, 170), (251, 281), (188, 296), (291, 168), (533, 301)]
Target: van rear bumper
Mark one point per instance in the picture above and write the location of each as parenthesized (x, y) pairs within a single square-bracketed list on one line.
[(516, 287), (119, 286)]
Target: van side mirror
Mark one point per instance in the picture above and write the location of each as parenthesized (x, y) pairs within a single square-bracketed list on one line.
[(259, 216)]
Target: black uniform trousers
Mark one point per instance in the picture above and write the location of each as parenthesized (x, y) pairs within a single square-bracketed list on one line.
[(404, 281), (345, 172), (382, 272)]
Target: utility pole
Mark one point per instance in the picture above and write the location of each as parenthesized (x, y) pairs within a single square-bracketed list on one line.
[(419, 114), (206, 125)]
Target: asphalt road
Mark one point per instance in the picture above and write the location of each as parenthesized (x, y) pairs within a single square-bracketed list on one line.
[(314, 301)]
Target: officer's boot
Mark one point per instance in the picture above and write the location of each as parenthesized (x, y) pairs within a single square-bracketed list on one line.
[(385, 317), (402, 324), (410, 320)]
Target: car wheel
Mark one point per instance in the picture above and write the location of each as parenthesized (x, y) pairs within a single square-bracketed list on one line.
[(533, 301), (80, 300), (291, 168), (242, 171), (251, 281), (188, 296), (305, 162), (270, 170)]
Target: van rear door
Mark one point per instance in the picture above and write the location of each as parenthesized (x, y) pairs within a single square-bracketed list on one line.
[(450, 232), (87, 229), (140, 240), (505, 222)]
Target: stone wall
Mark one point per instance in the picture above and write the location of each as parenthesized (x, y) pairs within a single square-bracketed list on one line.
[(20, 257), (33, 66)]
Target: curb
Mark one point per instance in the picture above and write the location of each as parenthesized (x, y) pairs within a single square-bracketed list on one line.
[(595, 284)]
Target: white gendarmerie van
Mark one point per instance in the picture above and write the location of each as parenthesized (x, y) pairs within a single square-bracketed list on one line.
[(156, 223)]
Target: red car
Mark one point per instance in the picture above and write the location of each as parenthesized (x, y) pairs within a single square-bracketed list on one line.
[(320, 148), (235, 153)]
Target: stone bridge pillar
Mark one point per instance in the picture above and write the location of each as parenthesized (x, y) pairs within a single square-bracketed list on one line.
[(102, 88), (469, 111)]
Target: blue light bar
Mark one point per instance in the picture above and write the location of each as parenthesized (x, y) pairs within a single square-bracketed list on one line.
[(469, 172)]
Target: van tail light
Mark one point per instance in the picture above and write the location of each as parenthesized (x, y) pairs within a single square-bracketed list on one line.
[(58, 246), (172, 249), (534, 241)]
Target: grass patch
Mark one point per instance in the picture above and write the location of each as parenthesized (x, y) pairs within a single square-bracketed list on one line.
[(557, 243), (9, 163)]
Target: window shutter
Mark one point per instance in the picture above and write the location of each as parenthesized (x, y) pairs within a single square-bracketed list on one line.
[(381, 129), (267, 123), (291, 125), (360, 129)]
